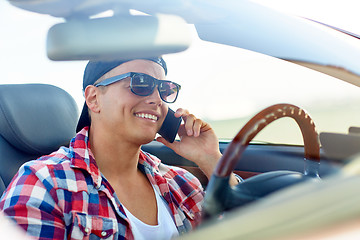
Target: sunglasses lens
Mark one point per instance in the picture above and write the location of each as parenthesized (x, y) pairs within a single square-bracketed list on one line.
[(168, 91), (142, 85)]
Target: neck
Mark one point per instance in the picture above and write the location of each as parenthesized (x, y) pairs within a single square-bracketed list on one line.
[(116, 157)]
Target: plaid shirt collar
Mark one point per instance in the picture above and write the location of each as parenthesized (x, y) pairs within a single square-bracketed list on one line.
[(83, 158)]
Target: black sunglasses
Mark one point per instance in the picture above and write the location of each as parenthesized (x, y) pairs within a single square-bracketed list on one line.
[(142, 84)]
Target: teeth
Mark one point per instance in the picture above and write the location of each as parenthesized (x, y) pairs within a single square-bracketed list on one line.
[(147, 116)]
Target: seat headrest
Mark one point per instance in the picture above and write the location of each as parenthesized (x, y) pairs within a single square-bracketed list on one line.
[(36, 118)]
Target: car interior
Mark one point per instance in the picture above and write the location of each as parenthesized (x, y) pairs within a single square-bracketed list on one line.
[(32, 127), (37, 119)]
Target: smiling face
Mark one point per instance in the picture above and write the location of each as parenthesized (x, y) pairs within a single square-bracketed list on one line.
[(122, 114)]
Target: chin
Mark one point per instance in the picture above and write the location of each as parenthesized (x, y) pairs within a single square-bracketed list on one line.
[(146, 139)]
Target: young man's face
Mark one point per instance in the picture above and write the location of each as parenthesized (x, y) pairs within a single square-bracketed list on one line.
[(136, 118)]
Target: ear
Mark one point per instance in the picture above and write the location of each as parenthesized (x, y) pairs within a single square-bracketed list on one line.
[(91, 98)]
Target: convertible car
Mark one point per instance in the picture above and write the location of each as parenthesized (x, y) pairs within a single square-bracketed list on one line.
[(281, 91)]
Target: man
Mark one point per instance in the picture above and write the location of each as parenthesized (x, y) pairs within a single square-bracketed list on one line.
[(104, 184)]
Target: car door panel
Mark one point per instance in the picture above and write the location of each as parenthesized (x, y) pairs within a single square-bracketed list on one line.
[(257, 158)]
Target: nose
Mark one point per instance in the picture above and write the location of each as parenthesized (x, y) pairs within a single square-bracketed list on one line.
[(154, 98)]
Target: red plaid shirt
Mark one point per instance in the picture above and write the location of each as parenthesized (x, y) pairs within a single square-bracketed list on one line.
[(64, 195)]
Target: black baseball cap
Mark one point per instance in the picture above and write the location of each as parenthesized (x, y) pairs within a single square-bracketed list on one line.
[(96, 69)]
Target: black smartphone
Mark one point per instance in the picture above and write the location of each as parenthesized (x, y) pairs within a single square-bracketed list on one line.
[(170, 126)]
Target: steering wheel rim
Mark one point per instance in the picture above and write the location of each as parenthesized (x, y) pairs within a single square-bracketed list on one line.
[(218, 188)]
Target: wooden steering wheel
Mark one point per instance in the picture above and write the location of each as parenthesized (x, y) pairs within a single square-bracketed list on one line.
[(220, 196)]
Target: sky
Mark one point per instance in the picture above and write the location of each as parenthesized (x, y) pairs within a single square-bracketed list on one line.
[(23, 60)]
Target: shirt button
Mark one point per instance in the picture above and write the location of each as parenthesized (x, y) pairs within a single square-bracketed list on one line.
[(103, 233), (98, 184)]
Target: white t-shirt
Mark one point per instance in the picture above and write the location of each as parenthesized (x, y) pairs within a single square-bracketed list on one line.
[(164, 230)]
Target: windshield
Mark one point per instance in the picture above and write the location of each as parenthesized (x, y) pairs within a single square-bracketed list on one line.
[(224, 85), (249, 82)]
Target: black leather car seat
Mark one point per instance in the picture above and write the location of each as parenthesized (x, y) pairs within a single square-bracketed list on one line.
[(35, 119)]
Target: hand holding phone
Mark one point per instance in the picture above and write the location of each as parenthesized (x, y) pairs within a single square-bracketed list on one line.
[(170, 126)]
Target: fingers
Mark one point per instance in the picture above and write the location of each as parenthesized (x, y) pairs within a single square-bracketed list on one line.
[(197, 127), (189, 124), (192, 124), (180, 112)]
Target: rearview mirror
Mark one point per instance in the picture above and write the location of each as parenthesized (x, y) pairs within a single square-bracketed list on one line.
[(131, 36)]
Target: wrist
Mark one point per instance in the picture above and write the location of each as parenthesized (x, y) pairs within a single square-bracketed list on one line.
[(208, 165)]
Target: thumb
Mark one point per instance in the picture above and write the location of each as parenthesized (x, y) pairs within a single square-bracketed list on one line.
[(173, 146)]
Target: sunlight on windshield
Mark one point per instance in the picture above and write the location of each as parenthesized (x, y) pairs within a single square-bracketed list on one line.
[(342, 14), (223, 85), (228, 91)]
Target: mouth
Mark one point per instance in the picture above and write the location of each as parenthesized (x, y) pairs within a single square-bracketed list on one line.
[(147, 116)]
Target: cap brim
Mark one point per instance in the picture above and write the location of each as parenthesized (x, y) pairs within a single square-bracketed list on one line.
[(84, 119)]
